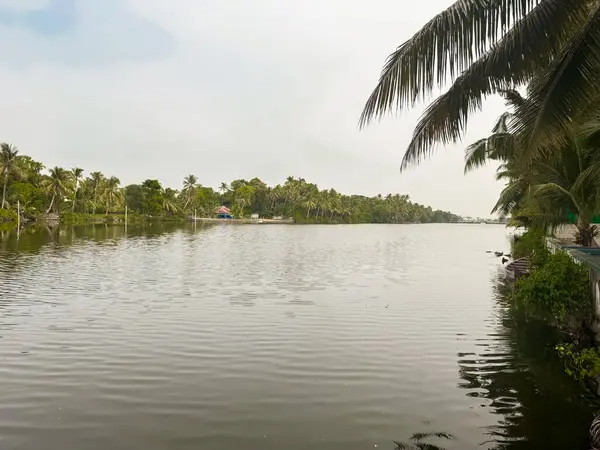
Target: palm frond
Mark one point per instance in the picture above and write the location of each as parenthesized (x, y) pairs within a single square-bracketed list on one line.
[(510, 197), (446, 45), (513, 99), (476, 155), (502, 123), (567, 87), (523, 51), (556, 199)]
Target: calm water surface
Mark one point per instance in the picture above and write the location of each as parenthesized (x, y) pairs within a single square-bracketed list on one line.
[(271, 337)]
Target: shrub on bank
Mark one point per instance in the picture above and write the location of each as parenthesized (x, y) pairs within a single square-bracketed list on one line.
[(7, 215), (557, 291), (532, 245)]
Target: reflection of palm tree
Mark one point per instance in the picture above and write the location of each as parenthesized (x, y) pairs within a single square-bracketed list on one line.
[(538, 405), (57, 185), (418, 441), (8, 165)]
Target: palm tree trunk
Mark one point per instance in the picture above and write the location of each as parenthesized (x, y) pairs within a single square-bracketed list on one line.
[(51, 204), (95, 199), (308, 213), (4, 188), (586, 234)]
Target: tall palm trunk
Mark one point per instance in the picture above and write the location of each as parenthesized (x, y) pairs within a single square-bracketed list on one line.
[(4, 188), (95, 198), (51, 204)]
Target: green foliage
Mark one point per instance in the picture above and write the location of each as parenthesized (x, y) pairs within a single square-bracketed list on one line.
[(580, 364), (533, 245), (99, 198), (559, 291), (7, 215), (153, 198)]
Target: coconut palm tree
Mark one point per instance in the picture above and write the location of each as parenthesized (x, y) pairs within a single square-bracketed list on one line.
[(189, 189), (96, 180), (309, 204), (112, 195), (58, 185), (77, 174), (553, 186), (9, 158), (170, 200), (484, 47), (224, 187)]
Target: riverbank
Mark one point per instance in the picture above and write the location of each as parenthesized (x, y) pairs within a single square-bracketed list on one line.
[(558, 291), (242, 221)]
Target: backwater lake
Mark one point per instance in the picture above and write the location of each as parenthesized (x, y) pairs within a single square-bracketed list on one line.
[(256, 337)]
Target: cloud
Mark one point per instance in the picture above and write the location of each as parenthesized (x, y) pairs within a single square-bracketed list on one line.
[(227, 89), (78, 33), (56, 17)]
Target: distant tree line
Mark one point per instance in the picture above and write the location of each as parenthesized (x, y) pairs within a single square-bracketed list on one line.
[(59, 190)]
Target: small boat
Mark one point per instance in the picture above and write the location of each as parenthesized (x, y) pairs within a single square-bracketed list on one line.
[(518, 268)]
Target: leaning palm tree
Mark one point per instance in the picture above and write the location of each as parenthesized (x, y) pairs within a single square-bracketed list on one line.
[(189, 189), (9, 158), (57, 185), (484, 47), (170, 200)]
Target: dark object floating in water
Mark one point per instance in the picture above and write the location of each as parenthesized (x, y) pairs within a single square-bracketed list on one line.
[(508, 255), (498, 254), (505, 260)]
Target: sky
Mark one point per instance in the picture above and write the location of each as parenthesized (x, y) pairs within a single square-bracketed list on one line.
[(224, 89)]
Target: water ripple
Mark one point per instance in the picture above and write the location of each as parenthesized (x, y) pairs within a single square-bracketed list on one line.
[(260, 337)]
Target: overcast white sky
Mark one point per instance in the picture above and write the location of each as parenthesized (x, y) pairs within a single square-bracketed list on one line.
[(223, 89)]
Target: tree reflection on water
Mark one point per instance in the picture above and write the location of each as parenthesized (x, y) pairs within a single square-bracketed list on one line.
[(518, 376), (419, 441)]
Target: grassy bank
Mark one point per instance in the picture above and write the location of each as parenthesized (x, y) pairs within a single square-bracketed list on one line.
[(82, 218), (9, 218)]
